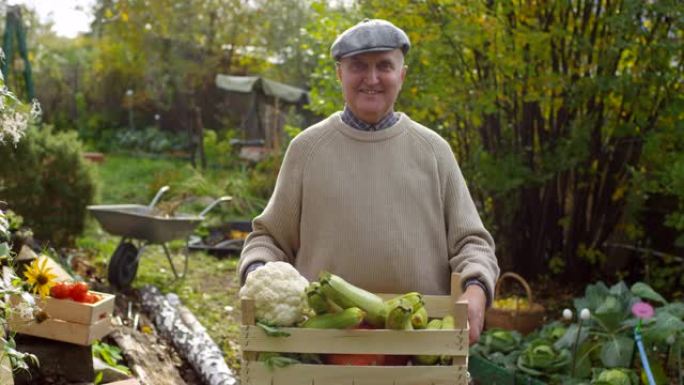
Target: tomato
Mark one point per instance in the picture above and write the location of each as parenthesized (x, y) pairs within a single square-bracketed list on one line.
[(79, 290), (396, 360), (91, 298), (61, 290), (355, 359)]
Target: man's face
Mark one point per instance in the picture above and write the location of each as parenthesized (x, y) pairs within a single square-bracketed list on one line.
[(371, 82)]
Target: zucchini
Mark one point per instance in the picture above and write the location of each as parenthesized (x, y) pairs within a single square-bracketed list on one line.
[(419, 318), (434, 324), (346, 319), (448, 323), (399, 316), (347, 295), (414, 299), (315, 298)]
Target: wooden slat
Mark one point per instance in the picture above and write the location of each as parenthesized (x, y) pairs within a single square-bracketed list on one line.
[(449, 342), (75, 312), (78, 312), (258, 373), (248, 318), (64, 331)]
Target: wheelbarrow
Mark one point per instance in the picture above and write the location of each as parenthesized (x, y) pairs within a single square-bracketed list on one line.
[(139, 227)]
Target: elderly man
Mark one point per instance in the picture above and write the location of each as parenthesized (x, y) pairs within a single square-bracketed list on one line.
[(373, 196)]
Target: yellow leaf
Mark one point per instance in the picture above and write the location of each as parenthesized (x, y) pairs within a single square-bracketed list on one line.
[(594, 165), (618, 193), (124, 17)]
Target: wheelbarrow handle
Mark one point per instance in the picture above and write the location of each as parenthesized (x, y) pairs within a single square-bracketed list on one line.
[(214, 203), (158, 196)]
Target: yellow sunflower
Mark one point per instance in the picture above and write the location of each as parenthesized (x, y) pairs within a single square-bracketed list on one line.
[(39, 276)]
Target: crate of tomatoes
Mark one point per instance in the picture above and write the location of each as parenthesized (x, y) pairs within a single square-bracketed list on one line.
[(332, 332), (75, 314)]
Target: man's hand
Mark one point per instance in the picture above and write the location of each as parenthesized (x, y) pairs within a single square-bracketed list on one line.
[(477, 303)]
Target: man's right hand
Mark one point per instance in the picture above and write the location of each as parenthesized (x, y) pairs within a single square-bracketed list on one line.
[(250, 268)]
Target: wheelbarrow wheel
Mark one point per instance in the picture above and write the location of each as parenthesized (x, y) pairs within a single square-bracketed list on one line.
[(123, 265)]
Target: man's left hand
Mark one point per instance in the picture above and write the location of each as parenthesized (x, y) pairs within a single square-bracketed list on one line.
[(477, 303)]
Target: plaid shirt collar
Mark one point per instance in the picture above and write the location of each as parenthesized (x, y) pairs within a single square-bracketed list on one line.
[(351, 120)]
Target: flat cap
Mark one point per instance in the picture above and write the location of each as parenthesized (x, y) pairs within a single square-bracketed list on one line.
[(370, 35)]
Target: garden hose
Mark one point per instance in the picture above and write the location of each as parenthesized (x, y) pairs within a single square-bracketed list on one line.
[(642, 354)]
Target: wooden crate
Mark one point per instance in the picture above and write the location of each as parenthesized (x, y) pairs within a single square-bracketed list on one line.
[(70, 321), (454, 343)]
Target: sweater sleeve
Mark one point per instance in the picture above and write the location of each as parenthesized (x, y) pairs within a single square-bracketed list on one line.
[(471, 247), (275, 235)]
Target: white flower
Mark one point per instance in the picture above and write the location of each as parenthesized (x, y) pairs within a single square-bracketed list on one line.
[(28, 298), (6, 280), (671, 339), (4, 225), (567, 314), (585, 314), (36, 110), (24, 310), (12, 126)]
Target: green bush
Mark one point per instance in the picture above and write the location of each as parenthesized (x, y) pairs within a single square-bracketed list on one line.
[(149, 140), (219, 151), (46, 180)]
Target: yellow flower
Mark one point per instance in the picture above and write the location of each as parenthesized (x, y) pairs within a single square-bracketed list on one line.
[(40, 278)]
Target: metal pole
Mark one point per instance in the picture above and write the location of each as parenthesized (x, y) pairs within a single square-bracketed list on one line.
[(129, 95)]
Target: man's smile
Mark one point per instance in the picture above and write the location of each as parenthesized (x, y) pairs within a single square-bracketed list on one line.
[(370, 92)]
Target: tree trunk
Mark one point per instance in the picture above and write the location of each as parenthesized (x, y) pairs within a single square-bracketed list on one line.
[(146, 358)]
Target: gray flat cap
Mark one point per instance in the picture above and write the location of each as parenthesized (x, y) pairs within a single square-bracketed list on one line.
[(370, 36)]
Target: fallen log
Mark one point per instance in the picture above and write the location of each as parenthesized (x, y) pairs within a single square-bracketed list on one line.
[(147, 359), (175, 322)]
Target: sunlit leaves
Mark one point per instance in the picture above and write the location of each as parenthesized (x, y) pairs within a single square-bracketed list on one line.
[(549, 97)]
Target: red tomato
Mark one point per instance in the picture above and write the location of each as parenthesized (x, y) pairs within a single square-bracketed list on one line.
[(355, 359), (79, 290), (61, 290), (396, 360), (91, 298)]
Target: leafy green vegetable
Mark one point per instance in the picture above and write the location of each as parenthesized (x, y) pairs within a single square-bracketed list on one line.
[(541, 358), (568, 339), (615, 377), (665, 325), (272, 331), (644, 291), (277, 360), (110, 354), (274, 360), (617, 352), (503, 340)]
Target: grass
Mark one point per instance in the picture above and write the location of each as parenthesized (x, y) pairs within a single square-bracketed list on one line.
[(124, 179), (210, 287)]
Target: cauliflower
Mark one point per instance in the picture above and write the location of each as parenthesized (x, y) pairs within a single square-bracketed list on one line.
[(278, 291)]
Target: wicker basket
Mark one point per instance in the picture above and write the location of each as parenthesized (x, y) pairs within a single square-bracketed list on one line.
[(523, 320)]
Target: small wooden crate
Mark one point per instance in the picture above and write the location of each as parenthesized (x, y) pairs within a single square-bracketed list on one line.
[(454, 343), (70, 321)]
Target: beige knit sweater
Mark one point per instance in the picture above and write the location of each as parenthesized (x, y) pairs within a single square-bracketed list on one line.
[(387, 210)]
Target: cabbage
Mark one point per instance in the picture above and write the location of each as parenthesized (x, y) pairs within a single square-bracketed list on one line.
[(540, 357), (613, 377)]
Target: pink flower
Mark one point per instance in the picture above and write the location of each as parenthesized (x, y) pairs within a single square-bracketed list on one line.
[(642, 310)]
